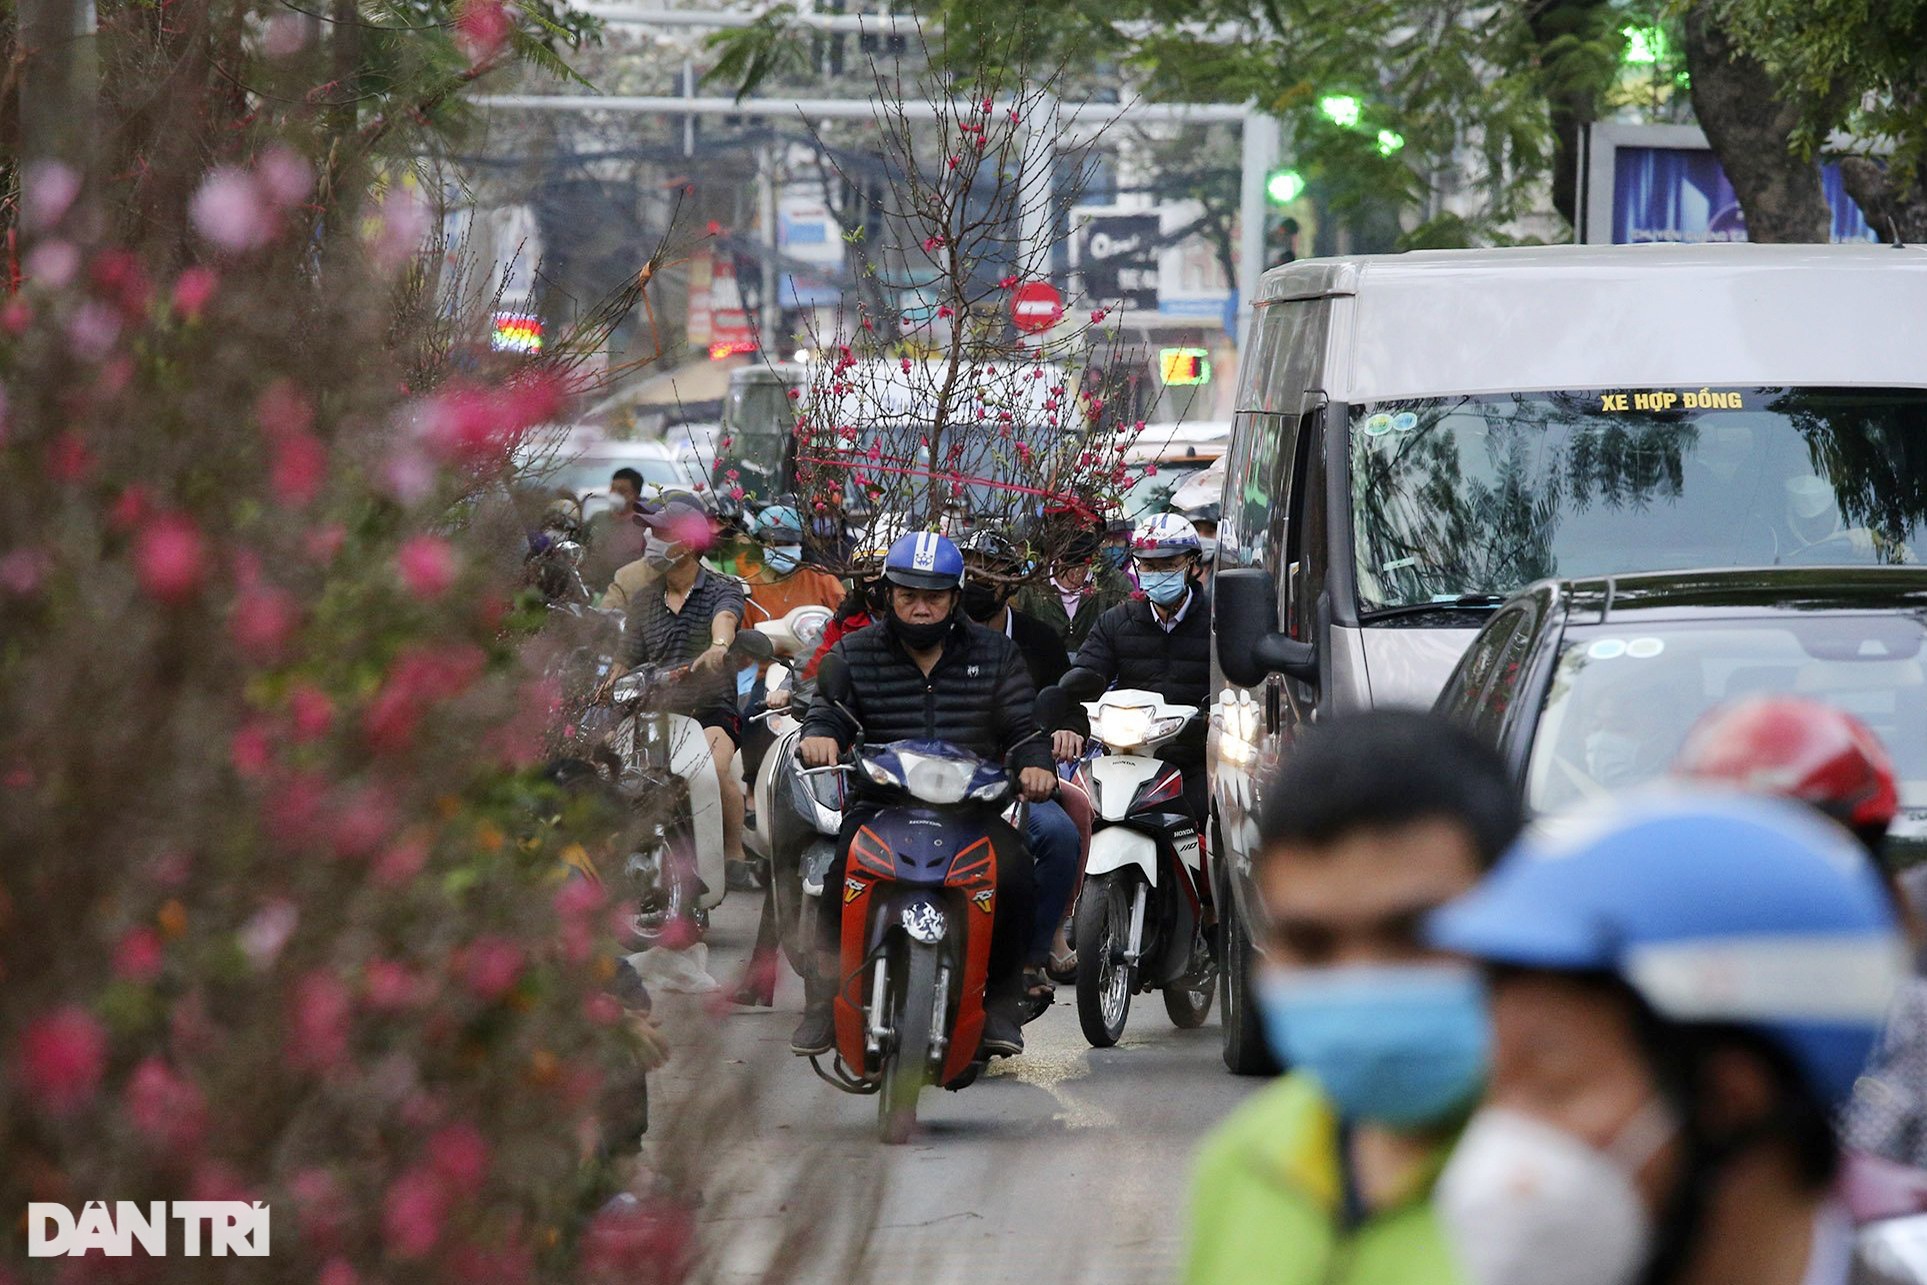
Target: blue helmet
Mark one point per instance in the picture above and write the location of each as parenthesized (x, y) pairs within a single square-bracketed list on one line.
[(777, 524), (924, 560), (1713, 909)]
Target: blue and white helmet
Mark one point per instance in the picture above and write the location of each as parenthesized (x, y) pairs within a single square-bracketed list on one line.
[(924, 560), (777, 524), (1727, 910), (1165, 536)]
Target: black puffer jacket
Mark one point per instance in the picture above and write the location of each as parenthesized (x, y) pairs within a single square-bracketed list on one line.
[(1128, 648), (978, 696)]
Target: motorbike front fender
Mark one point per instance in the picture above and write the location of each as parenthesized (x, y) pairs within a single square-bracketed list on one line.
[(1117, 847)]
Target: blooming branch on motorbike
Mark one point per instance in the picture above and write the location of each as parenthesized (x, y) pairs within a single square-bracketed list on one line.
[(926, 673)]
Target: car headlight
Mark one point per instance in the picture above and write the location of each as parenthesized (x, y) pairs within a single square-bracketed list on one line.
[(1123, 727), (936, 780)]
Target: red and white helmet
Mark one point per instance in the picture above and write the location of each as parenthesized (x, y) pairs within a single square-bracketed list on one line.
[(1798, 749), (1165, 536)]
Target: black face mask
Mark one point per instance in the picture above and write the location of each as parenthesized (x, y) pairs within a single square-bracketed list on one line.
[(921, 637), (982, 601)]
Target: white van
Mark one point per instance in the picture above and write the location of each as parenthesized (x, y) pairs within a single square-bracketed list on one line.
[(1418, 435)]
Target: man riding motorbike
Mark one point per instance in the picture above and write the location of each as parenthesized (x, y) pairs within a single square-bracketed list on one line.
[(1158, 643), (925, 672), (991, 566)]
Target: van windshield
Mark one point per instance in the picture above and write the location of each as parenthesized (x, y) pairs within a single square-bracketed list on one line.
[(1465, 498)]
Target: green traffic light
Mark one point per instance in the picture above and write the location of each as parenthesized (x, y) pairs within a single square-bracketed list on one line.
[(1341, 109), (1284, 186), (1645, 46)]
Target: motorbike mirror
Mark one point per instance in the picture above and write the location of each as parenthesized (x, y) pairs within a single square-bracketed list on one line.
[(753, 643), (1053, 707)]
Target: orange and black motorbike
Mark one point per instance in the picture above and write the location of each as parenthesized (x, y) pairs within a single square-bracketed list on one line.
[(919, 899)]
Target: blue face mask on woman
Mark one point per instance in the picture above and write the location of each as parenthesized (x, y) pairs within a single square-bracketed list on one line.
[(1399, 1045), (1165, 588), (782, 559)]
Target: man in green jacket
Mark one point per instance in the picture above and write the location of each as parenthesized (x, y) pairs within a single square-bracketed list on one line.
[(1325, 1177), (1080, 588)]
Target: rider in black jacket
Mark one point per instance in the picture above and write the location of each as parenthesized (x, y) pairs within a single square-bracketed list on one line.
[(925, 672), (1159, 643)]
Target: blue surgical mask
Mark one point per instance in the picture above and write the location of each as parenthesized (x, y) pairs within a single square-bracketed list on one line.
[(745, 681), (1165, 588), (1398, 1045), (1117, 555), (782, 559)]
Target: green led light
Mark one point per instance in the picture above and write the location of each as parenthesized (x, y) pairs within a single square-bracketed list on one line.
[(1390, 141), (1644, 45), (1341, 109), (1284, 186)]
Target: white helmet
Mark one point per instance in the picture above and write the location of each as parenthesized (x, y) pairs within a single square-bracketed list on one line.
[(1165, 536)]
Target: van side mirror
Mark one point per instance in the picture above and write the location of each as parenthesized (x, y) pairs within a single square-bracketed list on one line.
[(1249, 644)]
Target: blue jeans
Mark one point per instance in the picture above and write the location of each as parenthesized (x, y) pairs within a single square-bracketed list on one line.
[(1055, 853)]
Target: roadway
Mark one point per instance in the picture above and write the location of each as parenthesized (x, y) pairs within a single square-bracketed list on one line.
[(1067, 1164)]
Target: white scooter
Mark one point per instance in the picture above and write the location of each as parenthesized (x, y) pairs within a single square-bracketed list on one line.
[(1138, 925)]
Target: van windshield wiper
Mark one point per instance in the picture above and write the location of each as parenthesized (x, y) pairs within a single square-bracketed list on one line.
[(1476, 602)]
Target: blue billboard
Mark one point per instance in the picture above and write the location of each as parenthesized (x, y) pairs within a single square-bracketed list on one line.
[(1681, 194)]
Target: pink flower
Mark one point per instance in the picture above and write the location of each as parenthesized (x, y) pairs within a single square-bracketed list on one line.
[(985, 106), (170, 558), (16, 315), (905, 365), (601, 1008), (413, 1212), (1098, 315), (194, 290), (23, 570), (52, 264), (47, 190), (492, 966), (362, 822), (262, 622), (266, 933), (795, 393), (936, 242), (652, 1241), (322, 543), (250, 751), (408, 474), (283, 409), (228, 210), (459, 1156), (402, 228), (300, 464), (318, 1040), (62, 1056), (311, 711), (285, 177), (402, 862), (945, 310), (389, 986), (69, 459), (481, 28), (1007, 283), (138, 956), (165, 1109), (1150, 470), (427, 565)]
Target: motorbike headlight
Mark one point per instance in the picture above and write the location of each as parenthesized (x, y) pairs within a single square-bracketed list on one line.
[(1123, 727), (1165, 727), (936, 780)]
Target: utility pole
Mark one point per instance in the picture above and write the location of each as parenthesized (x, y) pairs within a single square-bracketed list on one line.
[(766, 193)]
